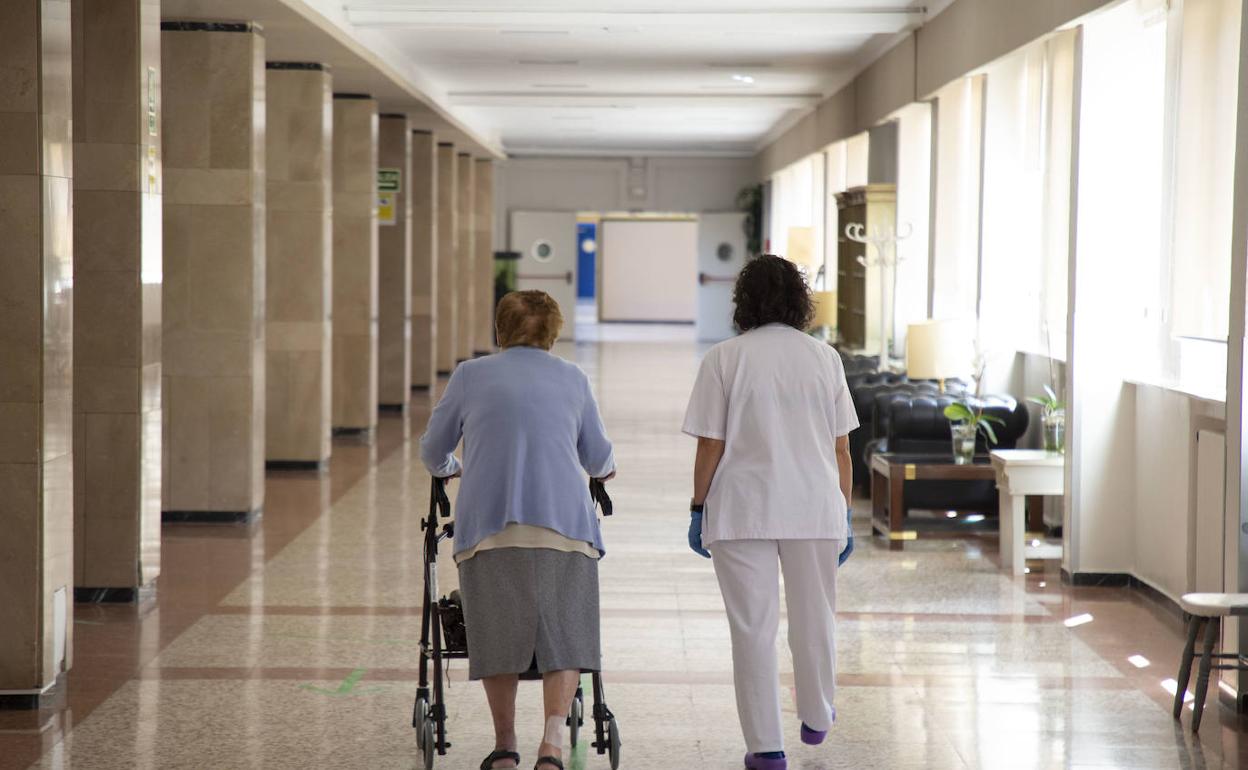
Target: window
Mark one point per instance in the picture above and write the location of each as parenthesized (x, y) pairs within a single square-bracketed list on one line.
[(955, 252), (796, 210), (1198, 268), (914, 190), (1028, 132)]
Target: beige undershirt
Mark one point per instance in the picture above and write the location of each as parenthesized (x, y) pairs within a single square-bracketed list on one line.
[(528, 536)]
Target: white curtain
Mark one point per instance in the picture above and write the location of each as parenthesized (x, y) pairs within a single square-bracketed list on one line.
[(794, 200), (1120, 211), (955, 284), (837, 165), (914, 191), (1200, 257), (1028, 127), (857, 150)]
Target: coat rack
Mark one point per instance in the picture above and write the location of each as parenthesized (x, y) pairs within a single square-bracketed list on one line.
[(883, 239)]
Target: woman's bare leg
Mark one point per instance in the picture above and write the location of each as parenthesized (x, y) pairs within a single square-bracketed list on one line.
[(558, 689), (500, 691)]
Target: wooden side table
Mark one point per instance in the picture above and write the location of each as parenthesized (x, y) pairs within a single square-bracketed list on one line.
[(1019, 473), (889, 474)]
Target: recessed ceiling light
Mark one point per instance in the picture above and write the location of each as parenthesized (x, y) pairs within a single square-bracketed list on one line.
[(748, 80)]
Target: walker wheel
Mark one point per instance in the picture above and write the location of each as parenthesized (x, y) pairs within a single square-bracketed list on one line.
[(613, 744), (422, 719), (429, 744), (575, 719)]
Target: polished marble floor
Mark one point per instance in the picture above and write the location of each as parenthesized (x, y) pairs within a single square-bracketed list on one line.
[(293, 643)]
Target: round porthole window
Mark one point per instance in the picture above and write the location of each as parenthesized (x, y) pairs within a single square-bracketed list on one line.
[(724, 252), (542, 251)]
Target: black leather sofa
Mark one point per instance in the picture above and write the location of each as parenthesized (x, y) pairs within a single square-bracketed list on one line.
[(869, 392), (915, 423)]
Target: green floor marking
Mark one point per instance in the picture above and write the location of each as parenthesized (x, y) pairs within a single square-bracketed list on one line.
[(587, 732), (346, 688)]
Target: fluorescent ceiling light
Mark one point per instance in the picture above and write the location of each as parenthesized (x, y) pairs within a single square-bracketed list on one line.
[(748, 80), (548, 62), (1139, 661), (535, 32), (1077, 620)]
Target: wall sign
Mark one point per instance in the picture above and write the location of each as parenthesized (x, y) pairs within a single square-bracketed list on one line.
[(389, 180), (385, 208), (151, 101)]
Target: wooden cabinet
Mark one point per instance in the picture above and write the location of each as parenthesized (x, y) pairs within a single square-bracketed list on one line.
[(858, 324)]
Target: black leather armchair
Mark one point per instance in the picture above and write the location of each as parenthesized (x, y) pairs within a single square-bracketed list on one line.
[(915, 423)]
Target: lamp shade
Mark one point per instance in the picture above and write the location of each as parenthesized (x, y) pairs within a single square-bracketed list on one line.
[(802, 246), (825, 309), (940, 350)]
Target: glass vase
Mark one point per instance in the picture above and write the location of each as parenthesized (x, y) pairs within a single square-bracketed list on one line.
[(963, 442), (1055, 431)]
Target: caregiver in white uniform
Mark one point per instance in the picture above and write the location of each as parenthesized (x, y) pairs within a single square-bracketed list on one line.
[(772, 413)]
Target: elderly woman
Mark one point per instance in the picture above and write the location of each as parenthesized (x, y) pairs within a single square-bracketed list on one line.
[(772, 481), (527, 540)]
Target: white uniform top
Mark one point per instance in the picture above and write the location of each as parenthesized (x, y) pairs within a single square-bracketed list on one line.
[(778, 399)]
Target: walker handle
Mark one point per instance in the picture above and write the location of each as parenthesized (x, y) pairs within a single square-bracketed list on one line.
[(438, 498), (598, 493)]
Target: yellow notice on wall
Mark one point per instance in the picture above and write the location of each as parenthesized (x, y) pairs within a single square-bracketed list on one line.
[(152, 168), (385, 208)]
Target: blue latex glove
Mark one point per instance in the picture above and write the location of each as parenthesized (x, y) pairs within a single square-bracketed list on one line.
[(849, 540), (695, 534)]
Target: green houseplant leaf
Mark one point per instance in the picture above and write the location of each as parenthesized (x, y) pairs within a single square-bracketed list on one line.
[(959, 412)]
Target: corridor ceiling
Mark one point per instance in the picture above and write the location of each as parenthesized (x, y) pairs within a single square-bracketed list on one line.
[(635, 77), (584, 77)]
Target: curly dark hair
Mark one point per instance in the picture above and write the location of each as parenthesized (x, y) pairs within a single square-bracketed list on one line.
[(772, 289)]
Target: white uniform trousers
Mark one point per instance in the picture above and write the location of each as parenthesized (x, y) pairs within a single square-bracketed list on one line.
[(749, 578)]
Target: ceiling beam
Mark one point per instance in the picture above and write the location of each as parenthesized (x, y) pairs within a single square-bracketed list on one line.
[(823, 22), (628, 101)]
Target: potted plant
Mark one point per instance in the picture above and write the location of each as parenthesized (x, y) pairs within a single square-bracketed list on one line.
[(966, 423), (1054, 420)]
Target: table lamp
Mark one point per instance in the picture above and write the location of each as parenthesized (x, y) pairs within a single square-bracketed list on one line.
[(940, 350), (802, 246), (825, 314)]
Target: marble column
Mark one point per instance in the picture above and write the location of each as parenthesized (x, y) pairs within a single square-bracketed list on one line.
[(299, 124), (117, 297), (448, 287), (465, 256), (394, 262), (355, 264), (214, 262), (483, 262), (36, 348), (424, 194)]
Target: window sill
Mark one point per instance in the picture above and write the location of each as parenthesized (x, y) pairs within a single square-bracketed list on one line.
[(1207, 395)]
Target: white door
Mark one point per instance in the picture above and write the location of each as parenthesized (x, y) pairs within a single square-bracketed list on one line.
[(721, 255), (546, 241)]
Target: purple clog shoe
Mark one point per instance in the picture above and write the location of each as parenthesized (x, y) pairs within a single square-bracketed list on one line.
[(755, 762), (812, 737)]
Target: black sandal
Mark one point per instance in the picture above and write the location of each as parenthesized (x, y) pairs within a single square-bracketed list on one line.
[(554, 761), (488, 762)]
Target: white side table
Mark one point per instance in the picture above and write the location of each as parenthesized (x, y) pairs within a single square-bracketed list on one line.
[(1023, 472)]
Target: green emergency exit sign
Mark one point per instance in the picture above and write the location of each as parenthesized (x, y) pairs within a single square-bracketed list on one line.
[(389, 180)]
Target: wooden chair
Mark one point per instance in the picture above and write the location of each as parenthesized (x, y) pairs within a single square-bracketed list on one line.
[(1206, 610)]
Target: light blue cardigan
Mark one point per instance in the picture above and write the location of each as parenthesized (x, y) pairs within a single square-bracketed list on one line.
[(532, 433)]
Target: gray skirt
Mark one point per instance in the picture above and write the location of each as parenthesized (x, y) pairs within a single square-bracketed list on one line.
[(526, 604)]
